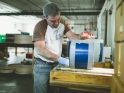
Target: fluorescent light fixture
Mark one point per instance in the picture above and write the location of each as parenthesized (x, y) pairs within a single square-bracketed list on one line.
[(7, 8)]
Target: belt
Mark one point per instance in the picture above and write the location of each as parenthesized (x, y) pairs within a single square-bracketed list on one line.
[(44, 61)]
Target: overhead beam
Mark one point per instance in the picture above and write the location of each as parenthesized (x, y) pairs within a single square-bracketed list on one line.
[(41, 13)]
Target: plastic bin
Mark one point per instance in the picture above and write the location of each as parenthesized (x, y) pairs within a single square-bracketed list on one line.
[(2, 38)]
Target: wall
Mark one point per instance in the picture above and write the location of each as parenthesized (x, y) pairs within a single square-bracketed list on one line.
[(6, 27), (78, 29), (28, 28), (13, 25), (110, 23)]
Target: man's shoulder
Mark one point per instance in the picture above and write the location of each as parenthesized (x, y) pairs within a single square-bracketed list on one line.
[(42, 24), (43, 21), (63, 21)]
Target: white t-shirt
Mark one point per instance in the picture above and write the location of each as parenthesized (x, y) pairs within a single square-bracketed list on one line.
[(53, 41)]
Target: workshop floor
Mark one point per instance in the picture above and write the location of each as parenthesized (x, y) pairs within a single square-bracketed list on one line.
[(12, 83), (15, 83)]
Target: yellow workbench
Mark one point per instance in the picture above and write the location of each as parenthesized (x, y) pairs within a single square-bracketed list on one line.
[(97, 79)]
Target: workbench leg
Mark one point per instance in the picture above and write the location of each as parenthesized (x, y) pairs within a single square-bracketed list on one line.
[(6, 52), (32, 61), (15, 51), (33, 58)]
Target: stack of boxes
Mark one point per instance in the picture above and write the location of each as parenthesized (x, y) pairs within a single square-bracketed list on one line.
[(10, 38), (118, 77)]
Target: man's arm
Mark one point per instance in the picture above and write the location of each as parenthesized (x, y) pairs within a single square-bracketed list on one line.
[(42, 50), (84, 35), (70, 35)]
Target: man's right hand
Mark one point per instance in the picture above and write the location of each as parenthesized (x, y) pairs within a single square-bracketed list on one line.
[(63, 61)]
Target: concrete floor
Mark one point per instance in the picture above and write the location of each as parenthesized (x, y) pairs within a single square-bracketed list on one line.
[(15, 83)]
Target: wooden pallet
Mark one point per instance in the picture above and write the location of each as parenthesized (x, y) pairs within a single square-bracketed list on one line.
[(100, 76)]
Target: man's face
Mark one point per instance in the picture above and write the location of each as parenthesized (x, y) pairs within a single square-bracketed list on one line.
[(53, 21)]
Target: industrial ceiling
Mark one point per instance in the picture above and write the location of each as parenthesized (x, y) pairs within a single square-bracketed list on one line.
[(77, 12)]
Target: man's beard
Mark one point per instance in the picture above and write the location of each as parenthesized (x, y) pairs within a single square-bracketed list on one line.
[(55, 26)]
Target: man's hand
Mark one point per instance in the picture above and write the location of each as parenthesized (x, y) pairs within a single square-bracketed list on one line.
[(86, 35), (63, 61)]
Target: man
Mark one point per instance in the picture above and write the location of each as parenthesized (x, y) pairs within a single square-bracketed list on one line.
[(47, 36)]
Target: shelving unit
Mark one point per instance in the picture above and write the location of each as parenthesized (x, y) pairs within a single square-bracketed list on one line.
[(6, 45)]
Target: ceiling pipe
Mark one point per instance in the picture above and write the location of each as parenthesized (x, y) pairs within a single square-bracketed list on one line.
[(41, 13), (97, 9), (33, 4)]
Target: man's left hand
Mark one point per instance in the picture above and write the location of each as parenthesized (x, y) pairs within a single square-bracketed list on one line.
[(86, 35)]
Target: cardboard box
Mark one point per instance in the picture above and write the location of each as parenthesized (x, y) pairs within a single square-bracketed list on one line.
[(116, 86), (119, 61), (119, 24), (118, 2), (122, 64)]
